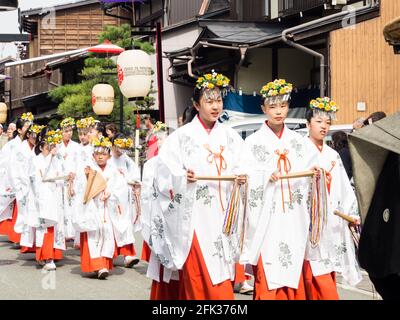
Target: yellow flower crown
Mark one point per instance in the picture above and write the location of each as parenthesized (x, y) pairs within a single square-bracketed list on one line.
[(276, 88), (324, 104), (159, 126), (36, 128), (125, 144), (212, 80), (101, 142), (27, 116), (67, 122), (53, 137), (85, 123)]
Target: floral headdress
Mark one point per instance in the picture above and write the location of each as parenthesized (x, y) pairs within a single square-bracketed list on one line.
[(277, 91), (123, 143), (67, 122), (36, 128), (324, 106), (212, 80), (159, 126), (101, 144), (53, 137), (85, 123), (27, 117)]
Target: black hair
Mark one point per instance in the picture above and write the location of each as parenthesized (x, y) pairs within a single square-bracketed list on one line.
[(27, 132), (197, 93), (375, 116), (99, 126), (112, 127), (19, 124), (265, 98), (188, 114), (40, 140), (340, 140), (310, 114)]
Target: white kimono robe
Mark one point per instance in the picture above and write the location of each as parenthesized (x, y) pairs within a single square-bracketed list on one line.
[(70, 154), (147, 200), (49, 198), (22, 178), (100, 219), (179, 209), (278, 220), (85, 156), (7, 193), (130, 172), (335, 251)]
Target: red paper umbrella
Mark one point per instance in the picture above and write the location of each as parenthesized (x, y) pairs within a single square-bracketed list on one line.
[(106, 48)]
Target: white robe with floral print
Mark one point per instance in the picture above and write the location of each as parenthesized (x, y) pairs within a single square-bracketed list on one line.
[(130, 172), (148, 193), (335, 251), (70, 154), (278, 222), (49, 196), (100, 219), (180, 209), (7, 192), (22, 178)]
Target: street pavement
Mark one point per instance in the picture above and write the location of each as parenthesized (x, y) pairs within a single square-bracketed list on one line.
[(21, 278)]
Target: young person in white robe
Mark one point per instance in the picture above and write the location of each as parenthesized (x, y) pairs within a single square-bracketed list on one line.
[(332, 249), (22, 177), (278, 224), (97, 130), (69, 150), (48, 184), (130, 207), (188, 215), (159, 129), (101, 200), (28, 207), (166, 285), (85, 154), (8, 204)]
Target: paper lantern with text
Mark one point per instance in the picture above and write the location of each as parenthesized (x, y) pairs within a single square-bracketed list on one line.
[(103, 99), (3, 112), (134, 73)]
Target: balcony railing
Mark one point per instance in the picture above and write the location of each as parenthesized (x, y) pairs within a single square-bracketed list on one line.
[(290, 7)]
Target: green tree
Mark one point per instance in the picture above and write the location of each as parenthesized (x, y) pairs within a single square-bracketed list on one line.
[(75, 100)]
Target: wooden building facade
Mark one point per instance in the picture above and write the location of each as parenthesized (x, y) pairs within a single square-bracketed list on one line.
[(363, 67), (57, 33), (68, 27)]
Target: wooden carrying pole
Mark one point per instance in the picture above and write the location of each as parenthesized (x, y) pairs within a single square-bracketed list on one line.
[(216, 178), (55, 179), (345, 216), (301, 174)]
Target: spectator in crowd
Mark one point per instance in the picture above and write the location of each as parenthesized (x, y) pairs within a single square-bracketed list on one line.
[(3, 137), (341, 145), (111, 130), (151, 139), (10, 130)]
